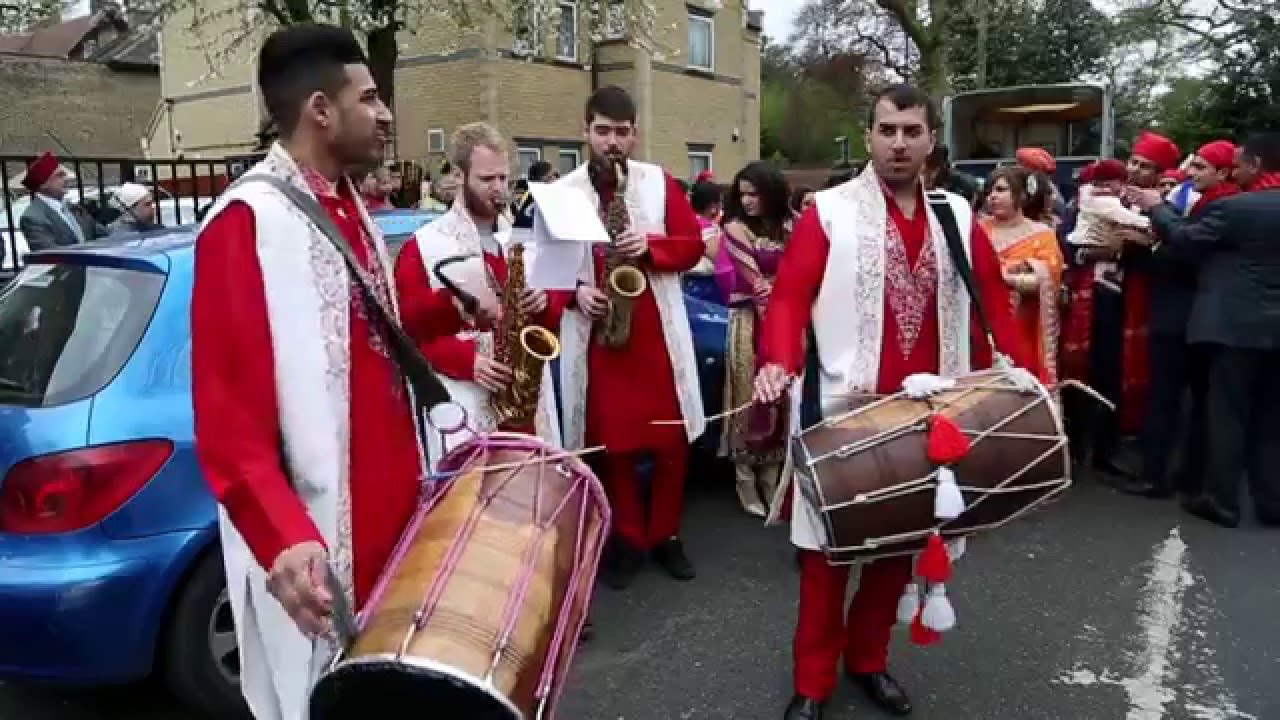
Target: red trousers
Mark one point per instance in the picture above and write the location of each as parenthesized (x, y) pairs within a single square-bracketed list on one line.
[(822, 632), (645, 527)]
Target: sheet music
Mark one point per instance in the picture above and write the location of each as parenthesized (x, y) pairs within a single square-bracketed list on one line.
[(565, 226)]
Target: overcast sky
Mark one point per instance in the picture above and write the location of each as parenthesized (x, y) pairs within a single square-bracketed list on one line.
[(778, 15)]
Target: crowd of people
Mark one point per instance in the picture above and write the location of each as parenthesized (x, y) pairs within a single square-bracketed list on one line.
[(1132, 287)]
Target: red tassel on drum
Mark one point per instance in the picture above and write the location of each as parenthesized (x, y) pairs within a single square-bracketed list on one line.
[(934, 565), (921, 635), (946, 444)]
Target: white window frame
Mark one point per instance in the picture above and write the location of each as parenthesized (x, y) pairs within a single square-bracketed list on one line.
[(435, 140), (567, 152), (529, 43), (615, 20), (523, 151), (571, 7), (710, 157), (710, 23)]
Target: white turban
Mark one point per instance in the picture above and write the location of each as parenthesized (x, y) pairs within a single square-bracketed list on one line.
[(129, 194)]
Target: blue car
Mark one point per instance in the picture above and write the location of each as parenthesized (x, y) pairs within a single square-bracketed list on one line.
[(109, 562)]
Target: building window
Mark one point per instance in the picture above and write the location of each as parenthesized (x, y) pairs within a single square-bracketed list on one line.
[(701, 42), (570, 159), (567, 42), (527, 36), (435, 140), (699, 162), (528, 156), (615, 21)]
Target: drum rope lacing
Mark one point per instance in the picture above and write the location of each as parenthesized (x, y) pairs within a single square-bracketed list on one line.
[(450, 562), (929, 481)]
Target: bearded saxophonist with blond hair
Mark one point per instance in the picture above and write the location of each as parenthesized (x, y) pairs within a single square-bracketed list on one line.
[(501, 378), (629, 379)]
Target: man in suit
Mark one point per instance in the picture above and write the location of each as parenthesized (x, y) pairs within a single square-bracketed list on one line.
[(1176, 365), (1236, 309), (49, 220)]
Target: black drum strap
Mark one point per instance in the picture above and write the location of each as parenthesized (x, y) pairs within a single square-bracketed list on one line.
[(811, 387)]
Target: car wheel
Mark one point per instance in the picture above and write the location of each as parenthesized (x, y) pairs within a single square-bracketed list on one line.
[(202, 659)]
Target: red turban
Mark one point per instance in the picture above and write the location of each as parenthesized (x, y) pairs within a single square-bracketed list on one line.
[(1036, 159), (1109, 170), (1086, 173), (1174, 175), (39, 171), (704, 176), (1158, 149), (1219, 153)]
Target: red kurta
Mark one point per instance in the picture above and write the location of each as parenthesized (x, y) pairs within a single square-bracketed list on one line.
[(823, 632), (455, 356), (237, 423), (630, 387), (800, 277)]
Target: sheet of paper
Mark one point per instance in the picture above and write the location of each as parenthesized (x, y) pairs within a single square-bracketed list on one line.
[(552, 264), (567, 214)]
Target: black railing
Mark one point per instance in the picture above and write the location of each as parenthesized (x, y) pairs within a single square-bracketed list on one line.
[(183, 190)]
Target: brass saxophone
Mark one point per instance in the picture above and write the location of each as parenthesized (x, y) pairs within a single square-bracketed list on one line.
[(624, 280), (522, 346)]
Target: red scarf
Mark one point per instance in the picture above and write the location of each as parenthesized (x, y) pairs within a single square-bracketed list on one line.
[(1265, 181), (1216, 192)]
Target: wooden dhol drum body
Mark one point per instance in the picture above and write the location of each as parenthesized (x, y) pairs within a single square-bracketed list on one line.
[(479, 609), (867, 476)]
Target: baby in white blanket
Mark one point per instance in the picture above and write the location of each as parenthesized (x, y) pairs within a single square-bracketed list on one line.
[(1101, 214)]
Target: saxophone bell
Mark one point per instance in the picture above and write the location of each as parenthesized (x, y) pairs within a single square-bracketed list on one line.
[(540, 343)]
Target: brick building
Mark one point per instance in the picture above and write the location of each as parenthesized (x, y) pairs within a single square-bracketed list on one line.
[(698, 92)]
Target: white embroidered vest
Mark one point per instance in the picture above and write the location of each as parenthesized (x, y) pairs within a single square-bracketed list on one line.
[(646, 202), (454, 233), (308, 296)]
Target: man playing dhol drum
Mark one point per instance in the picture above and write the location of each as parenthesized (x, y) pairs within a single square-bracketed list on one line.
[(626, 398), (303, 422), (868, 269)]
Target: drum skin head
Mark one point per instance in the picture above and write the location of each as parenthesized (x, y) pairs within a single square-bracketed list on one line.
[(368, 687)]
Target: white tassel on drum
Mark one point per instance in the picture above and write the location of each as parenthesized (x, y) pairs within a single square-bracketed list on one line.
[(909, 604), (938, 614), (956, 548), (948, 502), (922, 385)]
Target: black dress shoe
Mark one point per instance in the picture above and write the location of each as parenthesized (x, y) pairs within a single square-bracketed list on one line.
[(670, 555), (1143, 488), (803, 708), (1205, 508), (1110, 467), (884, 691), (624, 562)]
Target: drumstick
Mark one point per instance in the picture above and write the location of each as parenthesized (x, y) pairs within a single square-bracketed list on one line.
[(710, 418), (1088, 391)]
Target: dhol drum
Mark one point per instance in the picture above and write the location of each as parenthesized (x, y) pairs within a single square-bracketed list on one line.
[(867, 475), (479, 609)]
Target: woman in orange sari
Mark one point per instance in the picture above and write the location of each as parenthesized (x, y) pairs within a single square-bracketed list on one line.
[(1031, 262)]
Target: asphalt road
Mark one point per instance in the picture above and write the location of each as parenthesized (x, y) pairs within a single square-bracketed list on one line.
[(1100, 607)]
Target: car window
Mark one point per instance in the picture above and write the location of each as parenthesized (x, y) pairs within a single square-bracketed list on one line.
[(67, 329)]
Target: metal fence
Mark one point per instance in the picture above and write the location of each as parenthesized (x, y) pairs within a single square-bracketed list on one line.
[(183, 190)]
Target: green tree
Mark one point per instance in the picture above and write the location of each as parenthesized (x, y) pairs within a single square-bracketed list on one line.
[(18, 16)]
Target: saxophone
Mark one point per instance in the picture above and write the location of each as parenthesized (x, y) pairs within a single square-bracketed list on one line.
[(522, 346), (624, 280)]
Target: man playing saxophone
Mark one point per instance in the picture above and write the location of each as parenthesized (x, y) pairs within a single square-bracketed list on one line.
[(630, 382), (475, 365)]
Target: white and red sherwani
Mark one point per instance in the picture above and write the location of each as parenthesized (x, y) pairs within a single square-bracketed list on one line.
[(303, 424), (454, 356), (885, 302), (612, 397)]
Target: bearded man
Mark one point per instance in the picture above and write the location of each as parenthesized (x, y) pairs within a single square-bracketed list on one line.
[(1176, 365), (868, 271), (477, 226), (304, 425), (643, 398)]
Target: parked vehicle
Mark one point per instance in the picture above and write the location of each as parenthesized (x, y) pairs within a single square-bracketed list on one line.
[(109, 562)]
